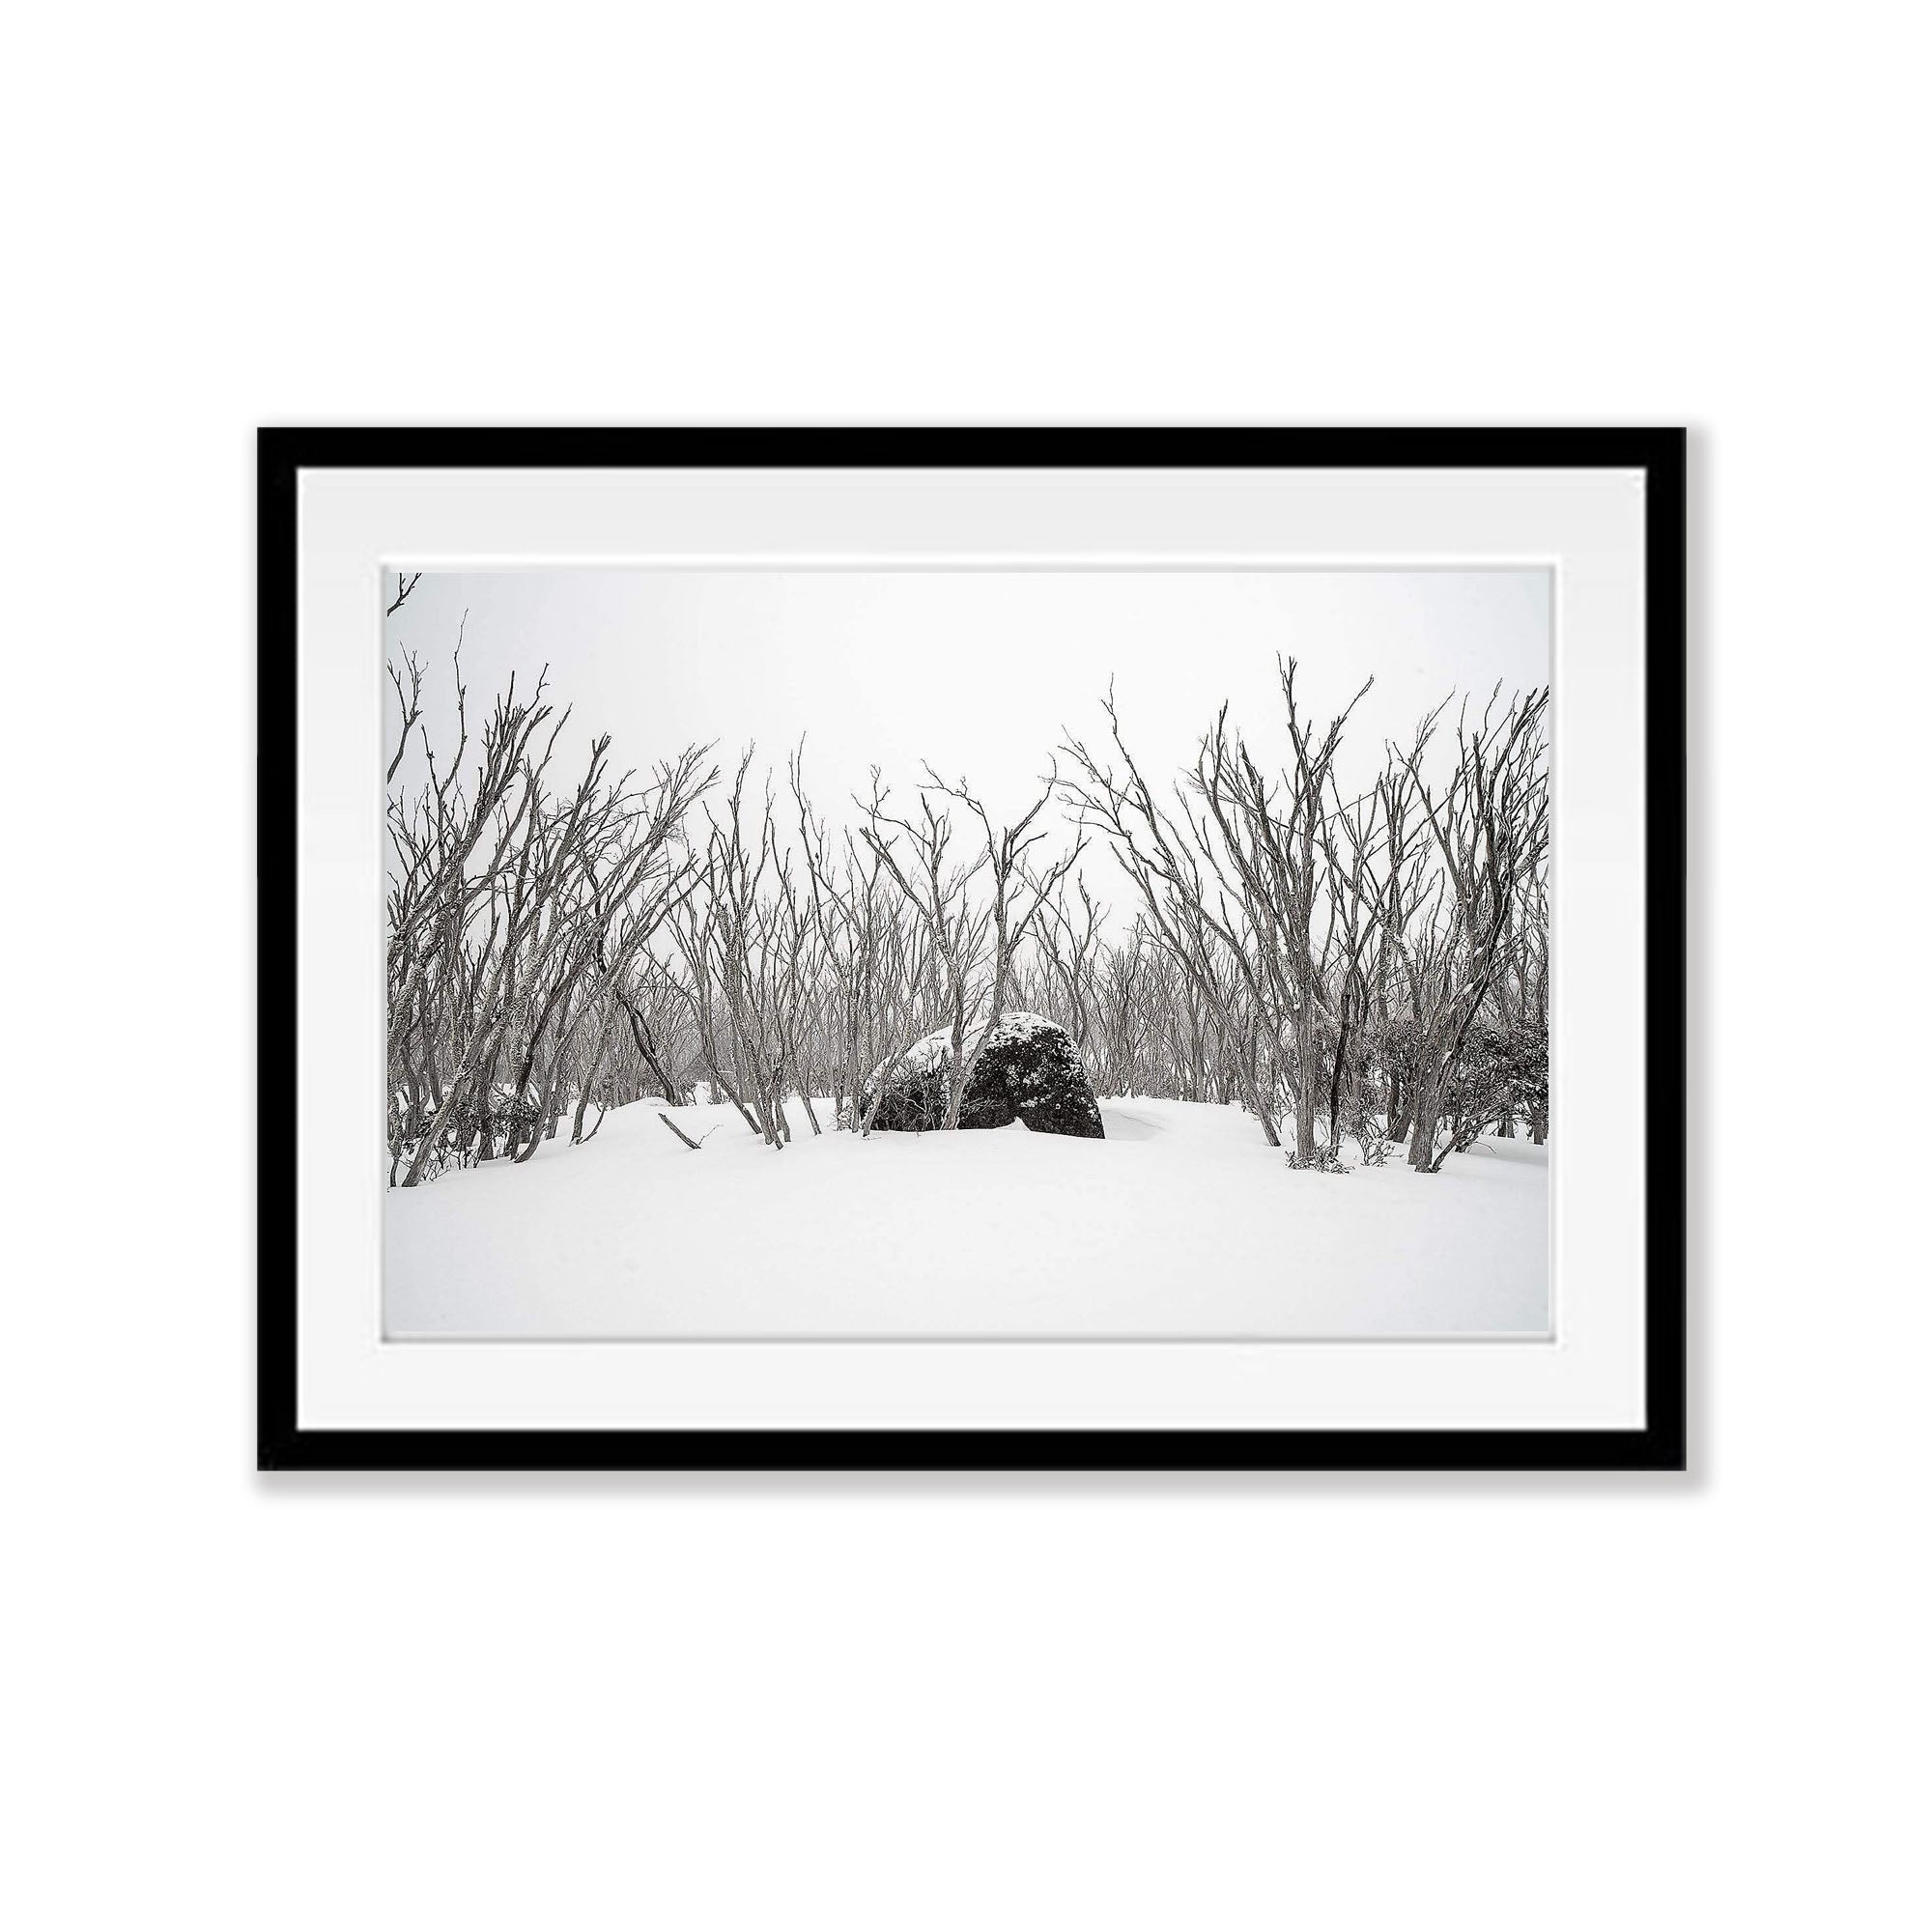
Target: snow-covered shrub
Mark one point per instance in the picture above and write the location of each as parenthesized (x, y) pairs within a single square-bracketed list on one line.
[(1367, 1131), (455, 1132), (1324, 1161), (915, 1100), (1502, 1074)]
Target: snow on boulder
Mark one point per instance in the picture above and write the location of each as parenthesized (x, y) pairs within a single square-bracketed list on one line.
[(1029, 1070)]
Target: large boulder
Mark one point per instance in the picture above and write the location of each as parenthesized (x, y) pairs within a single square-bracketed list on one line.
[(1029, 1070)]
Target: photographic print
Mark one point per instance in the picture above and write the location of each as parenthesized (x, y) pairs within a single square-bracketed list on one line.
[(993, 954), (972, 948)]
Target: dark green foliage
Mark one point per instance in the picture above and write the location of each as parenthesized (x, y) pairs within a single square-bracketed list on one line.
[(1027, 1072), (1502, 1074), (512, 1118)]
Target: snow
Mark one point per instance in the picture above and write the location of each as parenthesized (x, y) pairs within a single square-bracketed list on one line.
[(936, 1048), (1182, 1222)]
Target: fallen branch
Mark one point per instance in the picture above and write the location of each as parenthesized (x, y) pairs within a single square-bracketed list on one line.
[(692, 1145)]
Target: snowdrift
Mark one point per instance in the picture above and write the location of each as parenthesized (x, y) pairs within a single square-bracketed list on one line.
[(1181, 1222)]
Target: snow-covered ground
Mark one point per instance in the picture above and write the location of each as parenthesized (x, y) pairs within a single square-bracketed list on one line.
[(1182, 1222)]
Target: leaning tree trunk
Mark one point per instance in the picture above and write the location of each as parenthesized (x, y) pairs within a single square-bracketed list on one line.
[(602, 1047), (640, 1039)]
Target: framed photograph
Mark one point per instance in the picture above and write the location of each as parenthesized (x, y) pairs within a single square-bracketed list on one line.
[(972, 948)]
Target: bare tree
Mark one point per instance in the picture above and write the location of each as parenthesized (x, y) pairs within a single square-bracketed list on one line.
[(1379, 963), (500, 894), (1018, 896), (935, 891), (1158, 848), (1268, 864), (874, 955), (1491, 824)]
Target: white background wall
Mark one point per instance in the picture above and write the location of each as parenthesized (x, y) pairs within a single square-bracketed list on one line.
[(1340, 1704)]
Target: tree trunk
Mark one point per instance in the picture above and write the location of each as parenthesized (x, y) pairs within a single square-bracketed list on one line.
[(640, 1039), (1427, 1114), (583, 1102), (1335, 1084), (956, 1069), (486, 1092)]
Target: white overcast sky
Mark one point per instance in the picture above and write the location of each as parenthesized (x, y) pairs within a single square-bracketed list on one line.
[(978, 671)]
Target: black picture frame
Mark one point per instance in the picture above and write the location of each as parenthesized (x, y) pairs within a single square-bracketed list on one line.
[(1658, 1444)]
